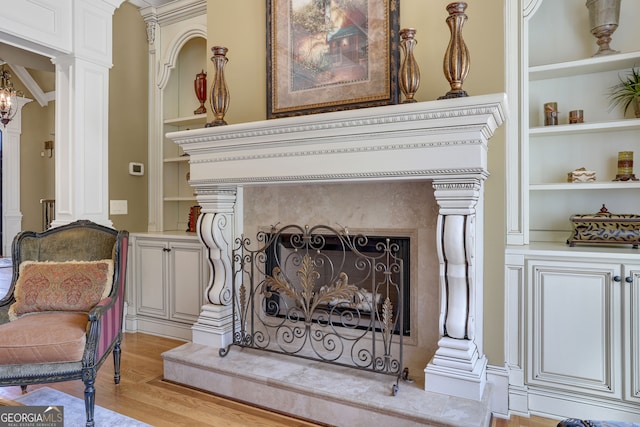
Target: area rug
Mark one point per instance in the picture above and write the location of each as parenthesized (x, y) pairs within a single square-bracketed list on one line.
[(74, 414)]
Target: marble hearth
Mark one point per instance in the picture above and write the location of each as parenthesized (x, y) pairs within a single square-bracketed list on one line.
[(428, 161)]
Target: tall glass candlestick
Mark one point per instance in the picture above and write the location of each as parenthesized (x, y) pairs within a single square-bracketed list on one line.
[(456, 58), (219, 91), (409, 76)]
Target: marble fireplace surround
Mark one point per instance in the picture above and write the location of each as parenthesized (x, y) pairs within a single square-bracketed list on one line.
[(444, 142)]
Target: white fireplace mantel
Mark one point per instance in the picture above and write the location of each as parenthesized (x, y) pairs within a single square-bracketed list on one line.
[(445, 138), (445, 141)]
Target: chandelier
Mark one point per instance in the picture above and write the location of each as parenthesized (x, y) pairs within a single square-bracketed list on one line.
[(8, 97)]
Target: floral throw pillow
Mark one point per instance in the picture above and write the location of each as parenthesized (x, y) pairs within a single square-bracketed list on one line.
[(61, 286)]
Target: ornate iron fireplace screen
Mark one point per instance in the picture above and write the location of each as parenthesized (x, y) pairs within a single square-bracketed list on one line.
[(304, 302)]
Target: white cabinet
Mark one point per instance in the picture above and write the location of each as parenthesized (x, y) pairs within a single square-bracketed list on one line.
[(573, 331), (575, 327), (631, 322), (583, 338), (177, 53), (169, 279)]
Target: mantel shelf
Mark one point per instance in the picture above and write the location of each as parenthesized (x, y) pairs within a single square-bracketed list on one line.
[(444, 139)]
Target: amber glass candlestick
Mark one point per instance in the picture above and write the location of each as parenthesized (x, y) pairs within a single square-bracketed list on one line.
[(200, 87)]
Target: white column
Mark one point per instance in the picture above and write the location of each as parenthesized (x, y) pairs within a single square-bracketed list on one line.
[(155, 132), (11, 214), (219, 224), (459, 365), (82, 119)]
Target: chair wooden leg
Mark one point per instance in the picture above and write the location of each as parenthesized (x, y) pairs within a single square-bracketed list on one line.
[(89, 400), (116, 362)]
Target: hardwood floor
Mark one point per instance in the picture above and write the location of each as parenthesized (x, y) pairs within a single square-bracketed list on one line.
[(142, 394)]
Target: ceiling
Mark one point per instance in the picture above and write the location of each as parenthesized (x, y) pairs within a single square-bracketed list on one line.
[(16, 56)]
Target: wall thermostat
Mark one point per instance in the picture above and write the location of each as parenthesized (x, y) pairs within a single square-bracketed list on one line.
[(136, 169)]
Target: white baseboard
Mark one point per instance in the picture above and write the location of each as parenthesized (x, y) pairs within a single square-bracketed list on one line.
[(498, 377)]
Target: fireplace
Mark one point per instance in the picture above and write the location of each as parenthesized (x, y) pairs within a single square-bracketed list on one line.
[(359, 310), (441, 145)]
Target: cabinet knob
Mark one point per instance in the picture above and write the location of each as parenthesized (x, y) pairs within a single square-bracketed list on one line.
[(628, 279), (617, 279), (169, 250)]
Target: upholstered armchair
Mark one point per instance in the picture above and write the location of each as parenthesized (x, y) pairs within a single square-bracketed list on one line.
[(63, 312)]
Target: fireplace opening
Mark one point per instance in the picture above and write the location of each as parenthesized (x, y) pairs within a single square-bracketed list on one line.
[(336, 256)]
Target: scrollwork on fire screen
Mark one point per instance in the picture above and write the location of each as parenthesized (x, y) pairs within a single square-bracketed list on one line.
[(322, 294)]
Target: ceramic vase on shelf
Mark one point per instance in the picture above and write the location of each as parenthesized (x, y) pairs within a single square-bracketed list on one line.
[(604, 16), (409, 77), (219, 91), (200, 87), (456, 58)]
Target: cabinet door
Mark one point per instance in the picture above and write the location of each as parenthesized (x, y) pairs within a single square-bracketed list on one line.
[(151, 278), (187, 281), (631, 283), (574, 324)]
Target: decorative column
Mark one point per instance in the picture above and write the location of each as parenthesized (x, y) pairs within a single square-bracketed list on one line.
[(154, 160), (459, 365), (11, 214), (82, 151), (82, 117), (219, 224)]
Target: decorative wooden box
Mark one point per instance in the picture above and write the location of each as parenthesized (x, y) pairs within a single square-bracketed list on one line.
[(605, 228)]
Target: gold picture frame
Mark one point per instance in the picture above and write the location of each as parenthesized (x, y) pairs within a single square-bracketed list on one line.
[(330, 55)]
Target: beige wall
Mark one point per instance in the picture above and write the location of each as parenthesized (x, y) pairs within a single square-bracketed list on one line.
[(128, 112), (36, 172), (241, 27)]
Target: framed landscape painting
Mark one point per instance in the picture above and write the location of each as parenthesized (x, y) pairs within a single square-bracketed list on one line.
[(330, 55)]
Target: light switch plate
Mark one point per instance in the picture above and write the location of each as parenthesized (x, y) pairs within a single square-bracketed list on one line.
[(118, 207)]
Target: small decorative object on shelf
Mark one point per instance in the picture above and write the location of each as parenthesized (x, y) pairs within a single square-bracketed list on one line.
[(605, 228), (576, 116), (627, 93), (551, 113), (194, 213), (456, 58), (219, 91), (604, 16), (409, 77), (581, 175), (200, 86), (625, 167)]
